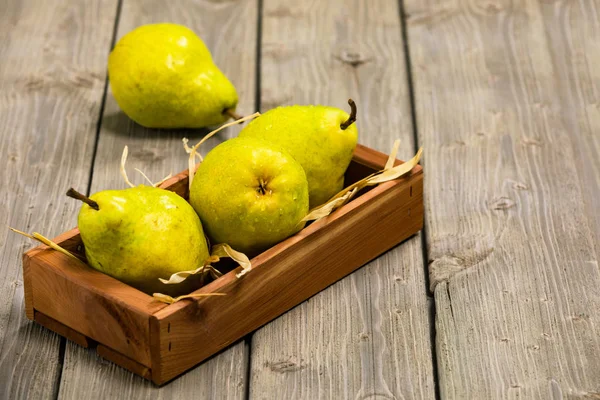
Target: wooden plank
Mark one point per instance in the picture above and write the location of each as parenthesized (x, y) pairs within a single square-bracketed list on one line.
[(575, 49), (93, 304), (61, 329), (52, 78), (369, 334), (213, 380), (229, 31), (511, 250), (289, 273), (125, 362)]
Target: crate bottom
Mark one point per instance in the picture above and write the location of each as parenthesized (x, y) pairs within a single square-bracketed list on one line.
[(124, 362), (62, 329), (86, 342)]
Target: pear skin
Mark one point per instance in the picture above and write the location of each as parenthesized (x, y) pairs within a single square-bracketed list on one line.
[(315, 137), (249, 194), (140, 234), (163, 76)]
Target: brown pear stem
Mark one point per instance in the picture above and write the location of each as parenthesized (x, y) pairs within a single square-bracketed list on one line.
[(352, 118), (78, 196), (232, 114)]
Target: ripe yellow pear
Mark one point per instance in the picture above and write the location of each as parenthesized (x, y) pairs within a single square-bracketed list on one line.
[(322, 139), (249, 194), (163, 76), (140, 234)]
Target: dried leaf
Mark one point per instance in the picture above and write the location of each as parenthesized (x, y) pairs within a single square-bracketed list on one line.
[(396, 172), (189, 149), (181, 276), (191, 167), (387, 174), (218, 251), (163, 180), (224, 250), (157, 184), (327, 208), (191, 159), (192, 151), (392, 158), (144, 175), (124, 173), (170, 300), (44, 240), (123, 161)]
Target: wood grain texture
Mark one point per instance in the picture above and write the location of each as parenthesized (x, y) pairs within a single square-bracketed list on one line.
[(123, 361), (369, 334), (512, 255), (93, 304), (288, 273), (104, 379), (62, 329), (574, 52), (28, 288), (229, 30), (52, 77)]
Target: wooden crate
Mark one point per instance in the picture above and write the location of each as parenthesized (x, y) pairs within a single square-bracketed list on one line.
[(159, 341)]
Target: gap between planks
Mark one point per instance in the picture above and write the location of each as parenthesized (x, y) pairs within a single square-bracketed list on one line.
[(425, 255)]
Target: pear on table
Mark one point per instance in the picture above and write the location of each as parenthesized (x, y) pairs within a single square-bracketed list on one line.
[(322, 139), (140, 234), (163, 76), (249, 194)]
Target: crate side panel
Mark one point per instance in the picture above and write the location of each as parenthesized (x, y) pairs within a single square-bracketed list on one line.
[(178, 184), (61, 294), (70, 240), (28, 287)]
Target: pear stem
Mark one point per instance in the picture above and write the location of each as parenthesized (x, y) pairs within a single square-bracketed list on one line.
[(352, 118), (232, 114), (78, 196)]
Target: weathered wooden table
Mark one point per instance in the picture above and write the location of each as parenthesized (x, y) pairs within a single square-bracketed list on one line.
[(500, 295)]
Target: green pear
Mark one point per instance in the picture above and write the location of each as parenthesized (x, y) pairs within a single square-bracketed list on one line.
[(140, 234), (322, 139), (249, 194), (163, 76)]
